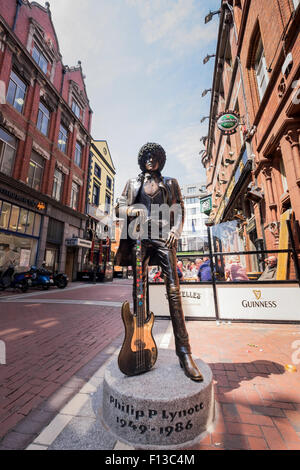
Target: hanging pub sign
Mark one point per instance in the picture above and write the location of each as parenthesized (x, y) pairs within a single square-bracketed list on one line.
[(228, 122), (205, 205)]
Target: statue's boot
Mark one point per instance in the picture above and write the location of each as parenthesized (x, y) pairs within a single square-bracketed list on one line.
[(189, 367)]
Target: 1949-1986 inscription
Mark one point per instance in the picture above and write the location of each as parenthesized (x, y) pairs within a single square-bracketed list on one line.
[(136, 418)]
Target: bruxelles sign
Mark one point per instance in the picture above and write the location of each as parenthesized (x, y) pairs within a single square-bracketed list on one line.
[(228, 122)]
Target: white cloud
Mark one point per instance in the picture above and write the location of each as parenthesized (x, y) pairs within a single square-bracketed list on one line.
[(176, 24), (184, 146)]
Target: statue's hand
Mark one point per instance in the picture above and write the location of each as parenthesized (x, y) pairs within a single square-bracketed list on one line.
[(137, 212), (171, 240)]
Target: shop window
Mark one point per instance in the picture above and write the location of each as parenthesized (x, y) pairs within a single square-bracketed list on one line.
[(14, 218), (40, 59), (5, 213), (74, 195), (30, 223), (78, 153), (57, 185), (16, 92), (22, 220), (37, 225), (63, 139), (96, 194), (261, 72), (35, 173), (43, 119), (8, 145)]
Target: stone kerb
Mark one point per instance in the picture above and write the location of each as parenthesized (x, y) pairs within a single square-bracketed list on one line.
[(161, 409)]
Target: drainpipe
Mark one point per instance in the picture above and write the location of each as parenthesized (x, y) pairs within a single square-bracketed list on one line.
[(19, 4)]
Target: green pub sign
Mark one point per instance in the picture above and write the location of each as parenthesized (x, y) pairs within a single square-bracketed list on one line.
[(205, 205)]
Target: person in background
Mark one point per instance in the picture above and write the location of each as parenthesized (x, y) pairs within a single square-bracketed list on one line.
[(235, 271), (180, 270), (270, 269), (204, 271)]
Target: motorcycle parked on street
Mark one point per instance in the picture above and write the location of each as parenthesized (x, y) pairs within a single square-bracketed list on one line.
[(60, 280), (39, 277), (9, 278)]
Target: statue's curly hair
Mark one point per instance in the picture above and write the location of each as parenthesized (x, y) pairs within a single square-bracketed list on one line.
[(156, 150)]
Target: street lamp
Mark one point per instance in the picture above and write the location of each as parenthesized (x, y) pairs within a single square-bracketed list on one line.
[(205, 92), (208, 17), (203, 119), (206, 59)]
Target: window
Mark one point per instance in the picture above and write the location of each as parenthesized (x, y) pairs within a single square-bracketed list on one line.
[(261, 72), (63, 139), (191, 190), (97, 171), (57, 185), (40, 59), (107, 203), (192, 200), (74, 195), (108, 182), (76, 108), (283, 176), (43, 119), (8, 145), (96, 193), (35, 173), (78, 153), (192, 211), (16, 92)]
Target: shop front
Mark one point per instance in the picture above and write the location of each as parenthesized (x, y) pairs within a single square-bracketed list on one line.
[(20, 229)]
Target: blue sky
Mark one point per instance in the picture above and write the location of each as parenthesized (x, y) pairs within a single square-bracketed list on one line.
[(144, 75)]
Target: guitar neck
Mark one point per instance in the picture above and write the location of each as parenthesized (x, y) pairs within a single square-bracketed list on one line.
[(140, 296)]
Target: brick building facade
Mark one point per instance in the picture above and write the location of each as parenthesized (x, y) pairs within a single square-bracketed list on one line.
[(45, 124), (253, 174)]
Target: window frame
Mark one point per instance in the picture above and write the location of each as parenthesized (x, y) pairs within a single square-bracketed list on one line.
[(63, 147), (36, 165), (58, 182), (75, 188), (95, 200), (107, 206), (37, 58), (74, 108), (42, 116), (96, 166), (17, 82), (3, 151), (79, 146), (108, 179), (260, 70)]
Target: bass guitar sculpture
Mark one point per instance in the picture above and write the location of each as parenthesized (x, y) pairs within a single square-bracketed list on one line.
[(139, 352)]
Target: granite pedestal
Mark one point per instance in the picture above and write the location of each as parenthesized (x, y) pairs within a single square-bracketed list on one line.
[(160, 409)]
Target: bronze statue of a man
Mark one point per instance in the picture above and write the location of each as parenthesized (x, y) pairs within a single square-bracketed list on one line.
[(158, 245)]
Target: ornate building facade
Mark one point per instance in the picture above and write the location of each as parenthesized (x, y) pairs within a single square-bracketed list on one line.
[(253, 174), (45, 123)]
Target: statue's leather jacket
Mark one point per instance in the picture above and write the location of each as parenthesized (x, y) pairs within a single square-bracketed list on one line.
[(130, 196)]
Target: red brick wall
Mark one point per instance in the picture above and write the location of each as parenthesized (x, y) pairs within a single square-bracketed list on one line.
[(26, 121)]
